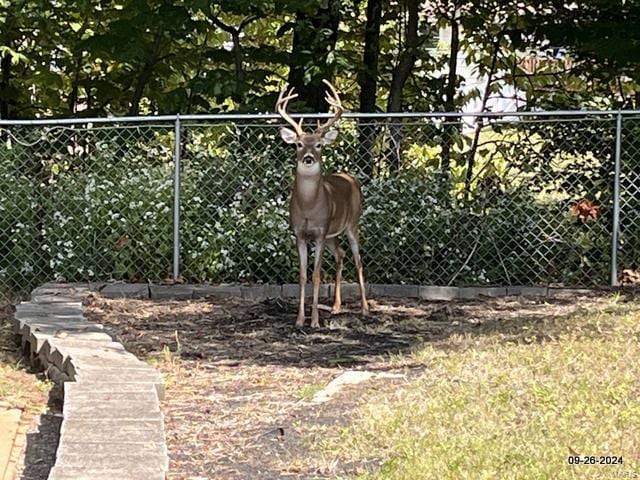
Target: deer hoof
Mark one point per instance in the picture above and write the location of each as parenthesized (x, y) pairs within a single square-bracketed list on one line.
[(336, 309), (300, 322)]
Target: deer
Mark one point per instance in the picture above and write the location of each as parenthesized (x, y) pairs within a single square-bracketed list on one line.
[(322, 207)]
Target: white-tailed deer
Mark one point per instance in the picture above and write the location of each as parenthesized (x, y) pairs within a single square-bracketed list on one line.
[(322, 206)]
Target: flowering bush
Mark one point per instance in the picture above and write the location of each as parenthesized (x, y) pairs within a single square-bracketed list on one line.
[(107, 212)]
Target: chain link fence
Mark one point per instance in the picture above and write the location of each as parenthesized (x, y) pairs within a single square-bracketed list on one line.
[(448, 199)]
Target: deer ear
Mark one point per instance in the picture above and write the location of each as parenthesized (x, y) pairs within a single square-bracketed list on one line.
[(329, 137), (288, 135)]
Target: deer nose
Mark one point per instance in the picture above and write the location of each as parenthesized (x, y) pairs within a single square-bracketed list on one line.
[(308, 159)]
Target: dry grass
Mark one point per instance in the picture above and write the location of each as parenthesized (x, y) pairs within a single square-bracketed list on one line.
[(18, 388)]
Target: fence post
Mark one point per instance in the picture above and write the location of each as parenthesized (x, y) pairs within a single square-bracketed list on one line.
[(176, 201), (615, 229)]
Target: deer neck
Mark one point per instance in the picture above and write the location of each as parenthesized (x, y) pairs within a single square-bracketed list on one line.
[(308, 189)]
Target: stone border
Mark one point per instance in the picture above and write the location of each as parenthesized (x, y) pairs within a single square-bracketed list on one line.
[(349, 291), (112, 425)]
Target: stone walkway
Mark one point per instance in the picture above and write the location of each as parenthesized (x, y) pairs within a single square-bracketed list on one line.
[(112, 424)]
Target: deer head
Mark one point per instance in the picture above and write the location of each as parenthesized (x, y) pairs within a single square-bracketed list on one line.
[(309, 145)]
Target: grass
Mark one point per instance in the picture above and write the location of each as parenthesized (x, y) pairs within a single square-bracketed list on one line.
[(307, 392), (510, 401), (18, 388)]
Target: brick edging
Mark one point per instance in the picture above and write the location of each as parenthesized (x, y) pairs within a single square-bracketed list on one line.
[(112, 424), (349, 290)]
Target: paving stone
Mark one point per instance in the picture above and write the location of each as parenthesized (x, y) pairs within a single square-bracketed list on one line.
[(83, 396), (59, 321), (95, 366), (119, 376), (146, 431), (48, 310), (124, 458), (76, 388), (121, 406), (63, 328), (49, 299), (45, 324), (67, 288), (75, 473), (351, 291), (437, 293), (477, 292), (527, 291), (252, 292), (126, 290), (224, 291), (568, 292), (177, 292), (292, 290), (81, 336), (273, 291), (60, 351), (114, 448), (122, 379), (391, 290), (85, 355)]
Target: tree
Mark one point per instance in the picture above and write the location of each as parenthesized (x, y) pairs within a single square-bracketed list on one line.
[(368, 81)]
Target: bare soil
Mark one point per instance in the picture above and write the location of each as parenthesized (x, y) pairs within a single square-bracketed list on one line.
[(240, 376)]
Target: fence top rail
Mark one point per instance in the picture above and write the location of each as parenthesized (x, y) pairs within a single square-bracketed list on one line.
[(274, 116)]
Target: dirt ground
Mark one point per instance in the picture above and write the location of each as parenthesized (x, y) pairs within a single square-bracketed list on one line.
[(240, 377), (21, 388)]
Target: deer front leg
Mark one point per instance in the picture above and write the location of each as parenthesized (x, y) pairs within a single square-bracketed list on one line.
[(302, 253), (338, 253), (315, 318)]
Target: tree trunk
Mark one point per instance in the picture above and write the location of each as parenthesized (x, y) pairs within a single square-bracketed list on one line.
[(401, 73), (5, 65), (471, 156), (449, 130), (145, 74), (311, 47), (368, 80), (73, 96)]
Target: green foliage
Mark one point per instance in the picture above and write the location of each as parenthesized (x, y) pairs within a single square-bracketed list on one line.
[(93, 58), (99, 205)]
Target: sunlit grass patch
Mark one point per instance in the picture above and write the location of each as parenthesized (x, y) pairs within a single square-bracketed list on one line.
[(511, 402)]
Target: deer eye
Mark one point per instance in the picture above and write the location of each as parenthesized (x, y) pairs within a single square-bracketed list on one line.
[(299, 145), (318, 145)]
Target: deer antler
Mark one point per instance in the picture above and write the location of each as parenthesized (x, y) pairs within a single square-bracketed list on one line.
[(281, 107), (333, 100)]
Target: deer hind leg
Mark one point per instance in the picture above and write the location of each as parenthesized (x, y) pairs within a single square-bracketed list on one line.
[(302, 253), (338, 253), (315, 318), (352, 234)]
